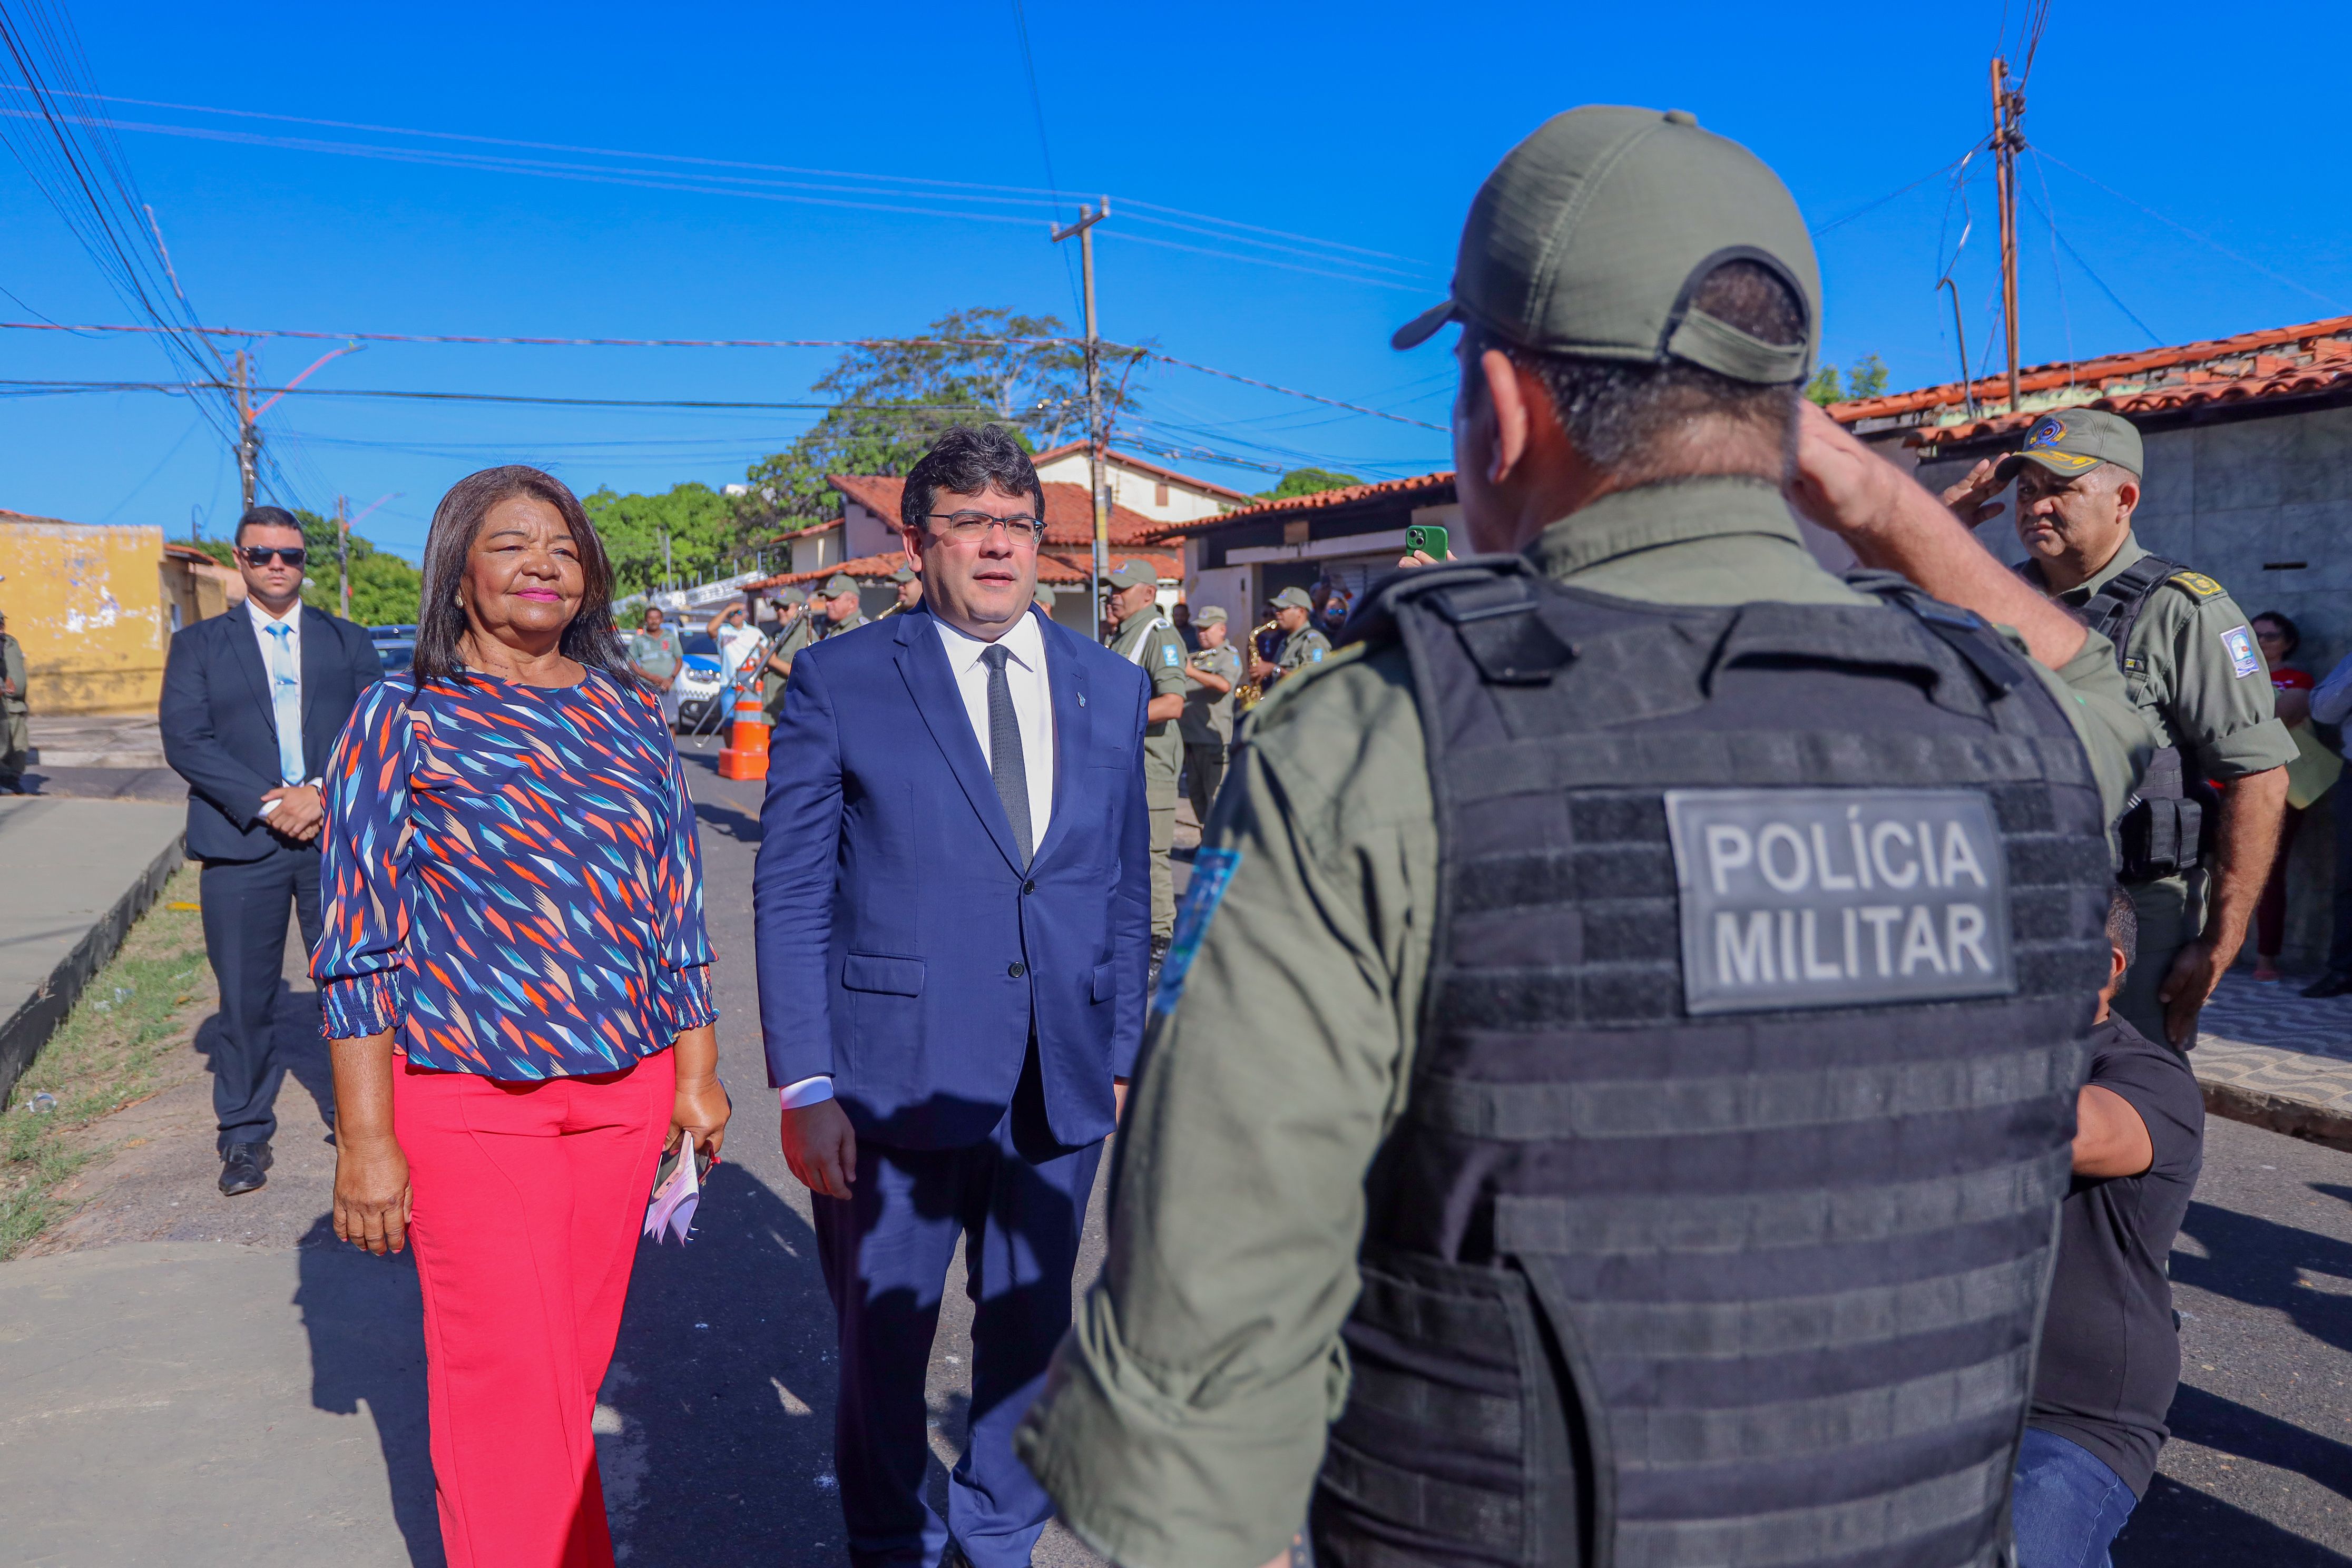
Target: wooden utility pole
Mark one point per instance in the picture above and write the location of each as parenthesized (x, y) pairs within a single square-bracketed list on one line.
[(1084, 229), (2008, 140), (248, 440), (343, 553)]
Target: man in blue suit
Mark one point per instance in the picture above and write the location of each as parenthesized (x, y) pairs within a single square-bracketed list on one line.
[(252, 703), (952, 902)]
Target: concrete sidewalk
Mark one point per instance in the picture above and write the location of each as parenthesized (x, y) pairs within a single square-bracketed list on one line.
[(2269, 1055), (77, 872)]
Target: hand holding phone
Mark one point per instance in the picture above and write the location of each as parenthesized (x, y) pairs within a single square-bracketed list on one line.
[(1427, 542)]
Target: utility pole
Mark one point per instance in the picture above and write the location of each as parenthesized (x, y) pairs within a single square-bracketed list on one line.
[(248, 440), (343, 553), (1084, 229), (2008, 140)]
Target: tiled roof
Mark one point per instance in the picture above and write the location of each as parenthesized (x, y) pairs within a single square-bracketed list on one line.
[(1295, 506), (1240, 497), (1059, 569), (2285, 362), (1069, 515)]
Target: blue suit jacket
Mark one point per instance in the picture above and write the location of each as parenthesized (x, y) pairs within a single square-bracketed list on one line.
[(220, 730), (902, 947)]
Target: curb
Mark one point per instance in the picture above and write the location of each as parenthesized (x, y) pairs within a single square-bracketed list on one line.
[(24, 1033), (2278, 1113)]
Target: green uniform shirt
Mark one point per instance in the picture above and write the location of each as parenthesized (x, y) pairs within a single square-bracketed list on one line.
[(795, 637), (1146, 640), (830, 628), (1208, 717), (658, 653), (1302, 648), (11, 669), (1185, 1419), (2193, 669)]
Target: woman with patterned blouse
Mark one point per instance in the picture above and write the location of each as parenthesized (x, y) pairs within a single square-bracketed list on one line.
[(516, 982)]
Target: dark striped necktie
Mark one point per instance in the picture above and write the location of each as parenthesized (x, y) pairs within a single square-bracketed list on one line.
[(1006, 763)]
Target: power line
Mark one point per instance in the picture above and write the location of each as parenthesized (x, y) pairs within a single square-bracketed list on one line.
[(1290, 392), (2112, 296), (497, 398), (1872, 207), (2184, 228)]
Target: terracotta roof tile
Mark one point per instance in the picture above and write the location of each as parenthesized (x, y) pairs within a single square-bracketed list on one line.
[(1069, 516), (2282, 362), (1294, 506)]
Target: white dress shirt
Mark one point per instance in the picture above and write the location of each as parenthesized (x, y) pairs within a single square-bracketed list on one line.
[(292, 621), (1032, 708)]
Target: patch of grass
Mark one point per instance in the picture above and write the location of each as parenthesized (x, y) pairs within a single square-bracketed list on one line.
[(106, 1055)]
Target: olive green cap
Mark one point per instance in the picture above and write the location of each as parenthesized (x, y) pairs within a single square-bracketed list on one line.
[(904, 574), (789, 594), (2071, 442), (1591, 235), (1045, 598), (1208, 615), (1293, 599), (840, 583), (1132, 573)]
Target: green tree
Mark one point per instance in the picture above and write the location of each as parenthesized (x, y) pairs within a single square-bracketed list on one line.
[(1865, 377), (705, 538), (898, 397), (1308, 482), (386, 590)]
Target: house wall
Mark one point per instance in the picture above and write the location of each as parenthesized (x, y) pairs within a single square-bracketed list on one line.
[(1135, 490), (815, 551), (2238, 501), (863, 533), (87, 604)]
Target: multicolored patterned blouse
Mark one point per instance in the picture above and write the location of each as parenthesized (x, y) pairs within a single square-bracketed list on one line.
[(511, 879)]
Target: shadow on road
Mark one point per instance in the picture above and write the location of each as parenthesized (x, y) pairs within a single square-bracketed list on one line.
[(741, 826), (367, 1323), (301, 1053), (2234, 1428), (2179, 1527), (2257, 1261)]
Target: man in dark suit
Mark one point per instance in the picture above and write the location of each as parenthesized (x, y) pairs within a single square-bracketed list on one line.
[(952, 903), (252, 703)]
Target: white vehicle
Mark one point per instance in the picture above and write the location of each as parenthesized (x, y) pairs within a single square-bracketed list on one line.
[(701, 685)]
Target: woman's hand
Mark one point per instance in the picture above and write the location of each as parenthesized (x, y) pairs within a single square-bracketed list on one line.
[(700, 1111), (372, 1192)]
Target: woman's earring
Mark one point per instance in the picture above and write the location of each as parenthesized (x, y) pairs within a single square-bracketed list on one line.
[(458, 600)]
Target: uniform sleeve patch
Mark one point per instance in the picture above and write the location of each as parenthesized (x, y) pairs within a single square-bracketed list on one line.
[(1314, 655), (1168, 656), (2197, 582), (1213, 871), (2244, 660)]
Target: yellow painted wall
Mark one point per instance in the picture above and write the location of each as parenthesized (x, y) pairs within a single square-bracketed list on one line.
[(85, 603)]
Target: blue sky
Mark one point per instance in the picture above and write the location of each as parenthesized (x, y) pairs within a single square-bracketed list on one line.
[(1366, 126)]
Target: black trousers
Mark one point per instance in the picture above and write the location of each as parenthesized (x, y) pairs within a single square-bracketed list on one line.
[(245, 936)]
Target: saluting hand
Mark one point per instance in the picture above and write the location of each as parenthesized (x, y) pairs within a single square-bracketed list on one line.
[(1971, 500)]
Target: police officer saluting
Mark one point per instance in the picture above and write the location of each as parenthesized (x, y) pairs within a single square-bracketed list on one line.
[(1634, 997), (1214, 670), (1143, 636), (1302, 644), (2195, 867)]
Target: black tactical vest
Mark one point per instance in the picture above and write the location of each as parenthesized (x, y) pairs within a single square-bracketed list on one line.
[(2162, 829), (1717, 1228)]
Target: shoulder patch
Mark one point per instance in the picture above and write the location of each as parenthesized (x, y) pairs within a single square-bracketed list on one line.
[(2198, 585), (2243, 660), (1316, 654), (1168, 654), (1212, 870)]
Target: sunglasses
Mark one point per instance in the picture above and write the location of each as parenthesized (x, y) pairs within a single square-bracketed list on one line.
[(259, 556)]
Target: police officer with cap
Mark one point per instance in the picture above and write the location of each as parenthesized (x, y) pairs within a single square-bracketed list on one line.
[(2194, 866), (1143, 636), (793, 633), (911, 592), (1302, 644), (1214, 671), (1634, 997), (837, 610)]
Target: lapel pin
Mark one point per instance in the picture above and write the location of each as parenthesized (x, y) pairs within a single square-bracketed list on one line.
[(1082, 699)]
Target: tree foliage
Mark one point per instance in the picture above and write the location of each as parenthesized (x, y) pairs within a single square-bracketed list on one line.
[(1865, 377), (386, 590), (1308, 482), (704, 536), (898, 397)]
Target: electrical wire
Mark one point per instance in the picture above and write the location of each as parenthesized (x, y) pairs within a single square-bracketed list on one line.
[(2088, 272), (1871, 206)]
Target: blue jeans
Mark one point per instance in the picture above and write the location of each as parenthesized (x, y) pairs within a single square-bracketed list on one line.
[(2067, 1505)]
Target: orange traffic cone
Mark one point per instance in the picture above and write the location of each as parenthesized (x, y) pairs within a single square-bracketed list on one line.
[(745, 756)]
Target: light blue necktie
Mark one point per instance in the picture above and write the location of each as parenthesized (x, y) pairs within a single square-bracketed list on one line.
[(286, 700)]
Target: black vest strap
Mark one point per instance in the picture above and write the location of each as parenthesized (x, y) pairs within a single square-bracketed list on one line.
[(2114, 609)]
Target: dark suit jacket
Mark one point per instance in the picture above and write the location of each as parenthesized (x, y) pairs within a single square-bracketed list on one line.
[(220, 731), (902, 947)]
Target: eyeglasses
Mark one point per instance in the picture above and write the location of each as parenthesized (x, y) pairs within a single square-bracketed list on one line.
[(973, 526), (257, 555)]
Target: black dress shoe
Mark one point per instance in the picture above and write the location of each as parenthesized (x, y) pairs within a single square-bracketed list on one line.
[(242, 1168), (2330, 984)]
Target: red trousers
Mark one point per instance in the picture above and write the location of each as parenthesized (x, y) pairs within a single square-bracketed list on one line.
[(528, 1202)]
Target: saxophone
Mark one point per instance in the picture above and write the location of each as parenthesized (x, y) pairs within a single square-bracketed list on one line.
[(1248, 693)]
